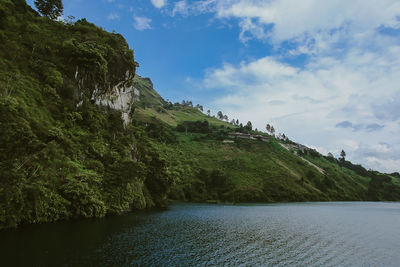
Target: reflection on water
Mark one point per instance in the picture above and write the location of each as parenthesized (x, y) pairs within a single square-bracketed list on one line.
[(299, 234)]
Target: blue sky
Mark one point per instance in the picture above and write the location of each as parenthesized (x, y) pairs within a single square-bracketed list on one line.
[(325, 73)]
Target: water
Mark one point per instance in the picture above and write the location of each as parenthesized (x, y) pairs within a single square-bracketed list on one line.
[(299, 234)]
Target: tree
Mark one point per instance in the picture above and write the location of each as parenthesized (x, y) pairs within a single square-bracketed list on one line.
[(220, 115), (199, 107), (233, 122), (249, 126), (268, 127), (50, 8), (71, 20), (272, 130), (209, 113), (226, 118), (237, 122), (342, 156)]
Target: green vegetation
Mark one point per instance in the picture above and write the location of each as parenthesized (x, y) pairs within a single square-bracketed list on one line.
[(50, 8), (63, 155)]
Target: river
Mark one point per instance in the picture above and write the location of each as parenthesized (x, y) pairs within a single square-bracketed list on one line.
[(292, 234)]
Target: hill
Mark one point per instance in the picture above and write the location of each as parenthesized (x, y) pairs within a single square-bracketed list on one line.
[(214, 166), (83, 136)]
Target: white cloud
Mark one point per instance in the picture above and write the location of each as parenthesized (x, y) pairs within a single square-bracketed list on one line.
[(159, 3), (180, 7), (113, 16), (141, 23), (198, 7), (318, 23), (306, 104)]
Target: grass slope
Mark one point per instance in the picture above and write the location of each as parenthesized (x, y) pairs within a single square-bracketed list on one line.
[(256, 170)]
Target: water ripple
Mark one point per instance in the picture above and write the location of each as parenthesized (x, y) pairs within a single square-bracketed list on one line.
[(299, 234)]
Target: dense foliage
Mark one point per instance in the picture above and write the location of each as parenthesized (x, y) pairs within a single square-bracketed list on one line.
[(62, 156), (50, 8), (194, 127)]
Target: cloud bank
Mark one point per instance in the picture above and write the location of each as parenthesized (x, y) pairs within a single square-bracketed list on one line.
[(310, 22), (330, 103)]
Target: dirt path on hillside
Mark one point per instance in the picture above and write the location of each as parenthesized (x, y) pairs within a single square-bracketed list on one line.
[(310, 163)]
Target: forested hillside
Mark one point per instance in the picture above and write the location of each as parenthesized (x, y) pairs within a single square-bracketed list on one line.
[(81, 135), (62, 154)]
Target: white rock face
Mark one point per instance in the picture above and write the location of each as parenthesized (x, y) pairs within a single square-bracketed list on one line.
[(121, 99)]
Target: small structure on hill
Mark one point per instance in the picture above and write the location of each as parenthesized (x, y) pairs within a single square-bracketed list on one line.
[(248, 136), (261, 137), (296, 146)]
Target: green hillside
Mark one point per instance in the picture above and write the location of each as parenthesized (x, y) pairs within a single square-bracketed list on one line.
[(252, 170), (83, 136), (151, 104)]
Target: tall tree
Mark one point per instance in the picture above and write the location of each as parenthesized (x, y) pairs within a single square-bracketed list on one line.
[(50, 8), (342, 156), (268, 127), (208, 112), (220, 115), (249, 126), (272, 130)]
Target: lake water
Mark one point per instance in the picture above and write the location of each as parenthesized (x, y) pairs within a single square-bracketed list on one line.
[(296, 234)]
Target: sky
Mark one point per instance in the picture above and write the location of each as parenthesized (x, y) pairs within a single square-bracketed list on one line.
[(325, 73)]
